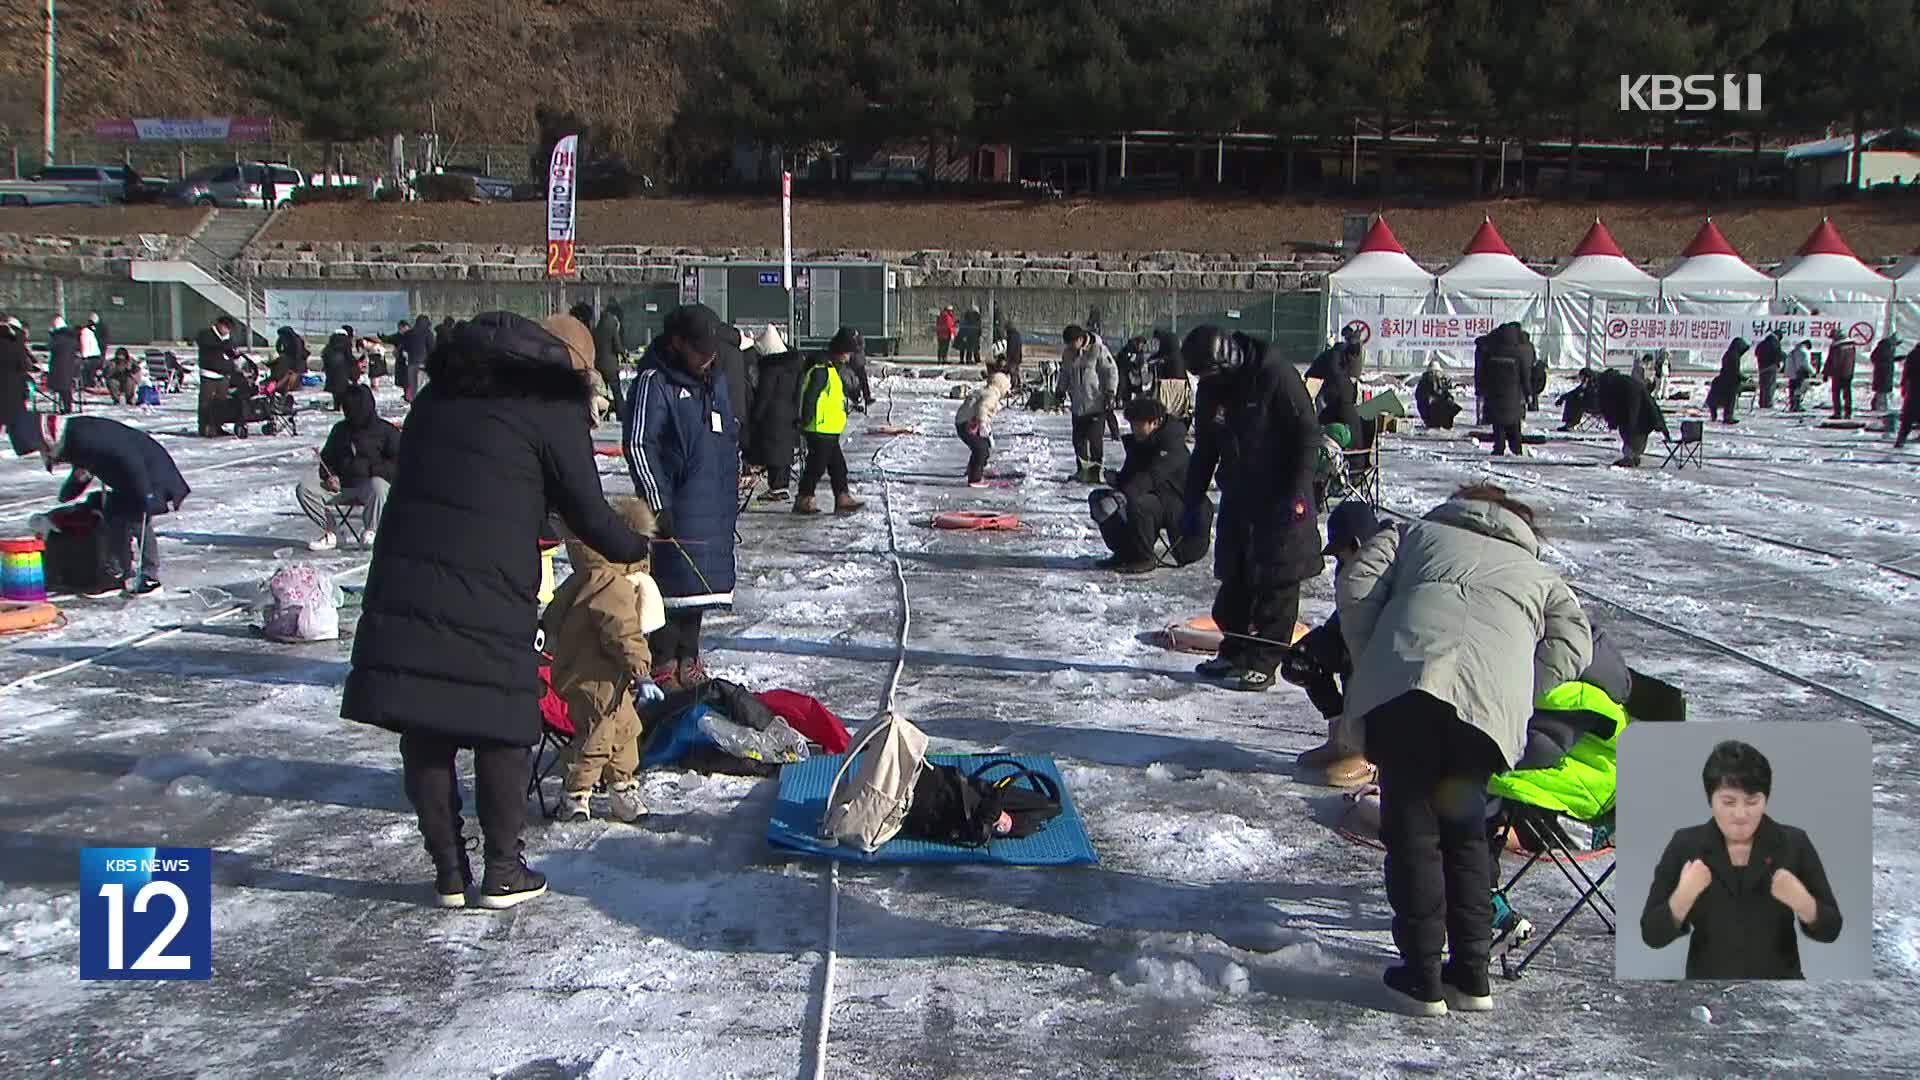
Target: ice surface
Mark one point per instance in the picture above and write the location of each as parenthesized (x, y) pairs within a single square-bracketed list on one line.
[(1230, 930)]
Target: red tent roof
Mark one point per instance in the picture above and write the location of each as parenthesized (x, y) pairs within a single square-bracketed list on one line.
[(1709, 241), (1825, 240), (1381, 238), (1598, 241), (1487, 241)]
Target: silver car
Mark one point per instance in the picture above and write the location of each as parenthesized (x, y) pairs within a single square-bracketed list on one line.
[(247, 185)]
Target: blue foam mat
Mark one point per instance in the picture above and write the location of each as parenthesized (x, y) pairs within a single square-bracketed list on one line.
[(803, 799)]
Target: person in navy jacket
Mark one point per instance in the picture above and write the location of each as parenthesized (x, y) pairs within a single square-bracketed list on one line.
[(141, 483), (683, 450)]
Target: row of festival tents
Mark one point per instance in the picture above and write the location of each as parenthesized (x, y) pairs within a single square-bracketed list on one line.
[(1569, 309)]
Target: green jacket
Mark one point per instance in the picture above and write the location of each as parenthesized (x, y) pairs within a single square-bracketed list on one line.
[(1582, 784)]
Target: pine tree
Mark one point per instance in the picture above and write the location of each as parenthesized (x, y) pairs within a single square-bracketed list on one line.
[(332, 68)]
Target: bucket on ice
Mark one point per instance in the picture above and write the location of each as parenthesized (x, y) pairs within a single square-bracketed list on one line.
[(23, 574)]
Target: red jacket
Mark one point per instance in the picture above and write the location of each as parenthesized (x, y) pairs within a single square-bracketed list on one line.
[(947, 326)]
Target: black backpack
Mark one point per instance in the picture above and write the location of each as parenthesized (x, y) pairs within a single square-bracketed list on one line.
[(954, 807)]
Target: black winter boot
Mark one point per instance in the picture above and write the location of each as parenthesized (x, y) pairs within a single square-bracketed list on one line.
[(509, 884), (1419, 993), (453, 876), (1467, 990)]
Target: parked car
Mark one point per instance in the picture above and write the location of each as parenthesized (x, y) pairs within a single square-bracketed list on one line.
[(70, 185), (247, 185), (490, 188)]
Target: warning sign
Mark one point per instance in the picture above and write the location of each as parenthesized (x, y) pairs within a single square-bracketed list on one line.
[(1423, 332), (1713, 333)]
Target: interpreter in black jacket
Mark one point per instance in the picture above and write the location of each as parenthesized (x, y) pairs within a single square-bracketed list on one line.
[(141, 482), (443, 654), (776, 414), (1742, 883), (1503, 382), (1147, 495), (63, 363), (358, 465), (1256, 426)]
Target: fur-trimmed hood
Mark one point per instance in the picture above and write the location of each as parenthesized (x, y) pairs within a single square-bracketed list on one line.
[(502, 355)]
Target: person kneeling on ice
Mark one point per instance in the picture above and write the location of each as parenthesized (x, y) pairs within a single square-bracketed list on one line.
[(141, 483), (597, 626), (974, 423), (823, 418), (1628, 408), (358, 463), (1256, 426), (1452, 623), (1319, 662), (1145, 498), (1433, 397)]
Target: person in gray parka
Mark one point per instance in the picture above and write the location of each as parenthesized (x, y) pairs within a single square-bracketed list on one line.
[(1455, 626), (1089, 382)]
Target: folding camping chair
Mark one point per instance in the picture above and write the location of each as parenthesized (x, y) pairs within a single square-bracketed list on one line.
[(556, 736), (1541, 834), (1689, 447), (1360, 479)]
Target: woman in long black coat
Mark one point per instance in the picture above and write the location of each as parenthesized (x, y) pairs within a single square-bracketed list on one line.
[(1723, 393), (16, 366), (1503, 380), (774, 421), (444, 649)]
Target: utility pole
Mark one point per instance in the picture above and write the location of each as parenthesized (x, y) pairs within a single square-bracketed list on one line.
[(52, 84)]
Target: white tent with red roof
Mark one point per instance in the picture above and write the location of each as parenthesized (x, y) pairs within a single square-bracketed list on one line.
[(1906, 297), (1825, 276), (1711, 278), (1489, 281), (1380, 279), (1597, 282)]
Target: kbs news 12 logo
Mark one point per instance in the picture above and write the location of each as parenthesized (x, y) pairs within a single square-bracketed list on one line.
[(1690, 93), (145, 913)]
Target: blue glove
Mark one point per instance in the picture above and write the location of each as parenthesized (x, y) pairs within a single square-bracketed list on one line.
[(1190, 520)]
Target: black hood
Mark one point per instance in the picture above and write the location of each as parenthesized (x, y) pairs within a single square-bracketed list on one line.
[(502, 355), (1739, 347), (359, 407)]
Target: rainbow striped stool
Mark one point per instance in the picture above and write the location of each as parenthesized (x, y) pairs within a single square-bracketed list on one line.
[(23, 574)]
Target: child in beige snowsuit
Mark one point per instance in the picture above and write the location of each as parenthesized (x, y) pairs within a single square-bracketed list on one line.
[(597, 627)]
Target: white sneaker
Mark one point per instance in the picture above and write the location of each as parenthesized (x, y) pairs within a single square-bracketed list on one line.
[(623, 801), (327, 542), (578, 806)]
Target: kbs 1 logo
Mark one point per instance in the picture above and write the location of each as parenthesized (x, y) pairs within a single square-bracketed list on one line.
[(1692, 93), (145, 913)]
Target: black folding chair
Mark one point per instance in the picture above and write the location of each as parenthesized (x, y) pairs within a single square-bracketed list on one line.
[(1541, 835), (1689, 448)]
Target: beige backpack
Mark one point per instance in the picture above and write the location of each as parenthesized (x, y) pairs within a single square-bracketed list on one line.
[(869, 811)]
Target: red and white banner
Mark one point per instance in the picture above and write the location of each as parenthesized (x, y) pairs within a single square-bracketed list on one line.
[(562, 174), (1423, 332), (786, 228), (205, 129), (1713, 333)]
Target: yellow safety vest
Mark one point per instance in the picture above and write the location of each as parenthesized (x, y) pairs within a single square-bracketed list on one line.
[(830, 410)]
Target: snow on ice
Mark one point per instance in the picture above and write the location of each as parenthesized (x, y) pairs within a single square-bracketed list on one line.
[(1231, 929)]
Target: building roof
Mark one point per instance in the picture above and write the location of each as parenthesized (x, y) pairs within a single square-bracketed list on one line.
[(1843, 144)]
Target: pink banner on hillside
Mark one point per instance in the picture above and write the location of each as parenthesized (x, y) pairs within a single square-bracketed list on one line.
[(204, 129)]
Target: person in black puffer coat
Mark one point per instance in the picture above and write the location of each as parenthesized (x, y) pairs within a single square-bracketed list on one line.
[(683, 452), (443, 654), (63, 364), (776, 414), (290, 353), (609, 345), (1723, 393), (1628, 408), (342, 370), (16, 375), (1256, 427), (1882, 360), (415, 345), (731, 362), (1433, 398), (141, 483), (1909, 397), (1147, 495), (1769, 358), (1339, 394), (1503, 382), (358, 465)]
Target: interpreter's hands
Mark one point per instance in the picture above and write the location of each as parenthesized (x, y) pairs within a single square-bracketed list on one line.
[(1789, 890), (1694, 878)]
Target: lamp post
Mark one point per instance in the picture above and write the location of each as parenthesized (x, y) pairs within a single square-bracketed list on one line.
[(52, 83)]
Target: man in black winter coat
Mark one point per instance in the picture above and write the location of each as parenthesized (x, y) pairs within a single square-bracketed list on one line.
[(16, 374), (609, 345), (1723, 393), (1146, 497), (63, 363), (1770, 359), (1909, 397), (336, 360), (224, 394), (1882, 361), (141, 483), (411, 347), (358, 464), (443, 653), (1628, 408), (1841, 358), (1503, 382), (732, 362), (1016, 352), (1256, 427), (775, 421)]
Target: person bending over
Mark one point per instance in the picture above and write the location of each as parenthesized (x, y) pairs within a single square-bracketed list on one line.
[(141, 483)]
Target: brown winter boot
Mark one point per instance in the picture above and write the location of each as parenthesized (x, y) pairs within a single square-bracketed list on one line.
[(845, 503), (804, 504)]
